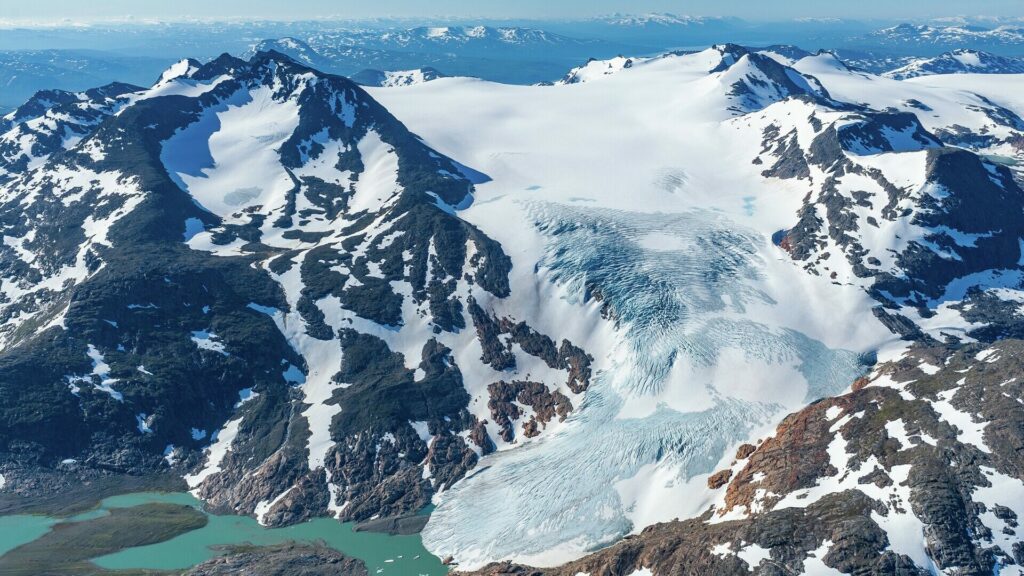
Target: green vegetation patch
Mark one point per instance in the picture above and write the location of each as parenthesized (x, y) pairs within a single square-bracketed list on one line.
[(68, 547)]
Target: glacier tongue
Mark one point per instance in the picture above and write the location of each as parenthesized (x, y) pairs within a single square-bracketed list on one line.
[(678, 391)]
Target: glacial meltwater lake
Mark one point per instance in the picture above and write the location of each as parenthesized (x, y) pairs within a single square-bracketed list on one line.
[(383, 554)]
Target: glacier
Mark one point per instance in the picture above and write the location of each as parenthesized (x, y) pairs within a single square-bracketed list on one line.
[(676, 394), (649, 245)]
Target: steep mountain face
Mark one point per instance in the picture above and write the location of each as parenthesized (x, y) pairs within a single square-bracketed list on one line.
[(254, 272), (394, 78), (960, 61), (756, 80), (905, 235)]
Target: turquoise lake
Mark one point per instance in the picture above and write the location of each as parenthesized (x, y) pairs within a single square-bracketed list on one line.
[(383, 554)]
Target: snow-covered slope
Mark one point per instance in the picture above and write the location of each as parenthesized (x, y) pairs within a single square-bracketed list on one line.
[(595, 69), (974, 119), (394, 78), (961, 61)]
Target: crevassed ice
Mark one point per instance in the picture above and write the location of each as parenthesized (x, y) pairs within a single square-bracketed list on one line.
[(691, 374)]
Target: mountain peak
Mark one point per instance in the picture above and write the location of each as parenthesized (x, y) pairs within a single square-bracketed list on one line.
[(756, 80), (958, 61)]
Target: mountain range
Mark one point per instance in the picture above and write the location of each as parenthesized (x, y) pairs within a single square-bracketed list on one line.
[(511, 51), (718, 311), (959, 62)]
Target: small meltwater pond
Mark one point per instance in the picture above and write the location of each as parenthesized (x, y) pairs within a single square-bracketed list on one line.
[(383, 553)]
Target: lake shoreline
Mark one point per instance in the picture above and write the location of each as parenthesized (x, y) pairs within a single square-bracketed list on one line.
[(381, 551)]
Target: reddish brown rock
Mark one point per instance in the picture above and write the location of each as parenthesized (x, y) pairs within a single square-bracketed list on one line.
[(719, 479), (745, 450)]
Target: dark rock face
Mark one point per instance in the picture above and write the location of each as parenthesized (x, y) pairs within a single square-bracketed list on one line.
[(546, 406), (874, 134), (790, 161), (376, 466), (499, 355), (285, 560)]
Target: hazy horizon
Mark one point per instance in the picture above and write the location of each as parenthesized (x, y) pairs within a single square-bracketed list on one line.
[(70, 12)]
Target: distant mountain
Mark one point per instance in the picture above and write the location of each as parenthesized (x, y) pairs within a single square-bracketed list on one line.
[(595, 69), (505, 54), (872, 61), (962, 61), (662, 20), (294, 48), (25, 72), (346, 59), (925, 39), (390, 79), (785, 54), (475, 41), (650, 32)]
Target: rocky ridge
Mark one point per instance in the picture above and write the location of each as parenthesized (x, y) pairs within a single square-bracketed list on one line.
[(133, 289)]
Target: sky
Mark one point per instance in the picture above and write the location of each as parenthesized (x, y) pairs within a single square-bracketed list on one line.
[(104, 10)]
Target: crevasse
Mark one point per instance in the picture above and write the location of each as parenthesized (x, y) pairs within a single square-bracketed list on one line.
[(693, 372)]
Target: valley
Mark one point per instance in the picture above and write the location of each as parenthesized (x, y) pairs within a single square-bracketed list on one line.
[(716, 311)]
